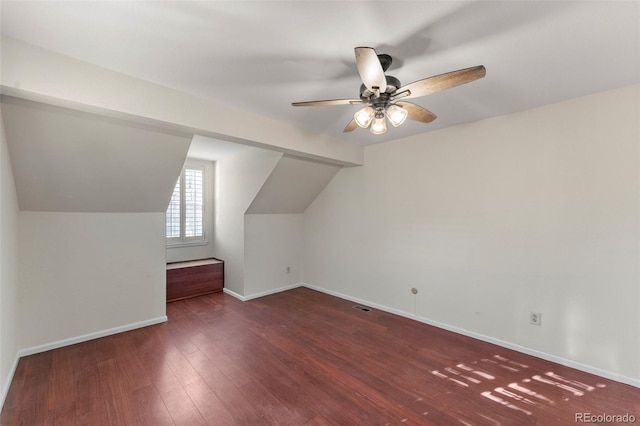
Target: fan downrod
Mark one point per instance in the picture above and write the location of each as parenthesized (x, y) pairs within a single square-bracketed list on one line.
[(385, 61)]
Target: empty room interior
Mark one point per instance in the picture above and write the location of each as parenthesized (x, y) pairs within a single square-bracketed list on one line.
[(320, 213)]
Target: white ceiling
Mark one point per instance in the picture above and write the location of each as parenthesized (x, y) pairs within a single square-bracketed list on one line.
[(69, 161), (263, 55), (210, 149), (292, 186)]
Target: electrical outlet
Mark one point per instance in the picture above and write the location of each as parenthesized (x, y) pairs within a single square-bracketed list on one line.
[(535, 318)]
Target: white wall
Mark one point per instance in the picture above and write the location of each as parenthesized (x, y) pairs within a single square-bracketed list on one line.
[(272, 242), (8, 267), (273, 224), (82, 273), (238, 180), (533, 211)]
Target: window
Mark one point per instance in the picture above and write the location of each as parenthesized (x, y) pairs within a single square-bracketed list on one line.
[(185, 214)]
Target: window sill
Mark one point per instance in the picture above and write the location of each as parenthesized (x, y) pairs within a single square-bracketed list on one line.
[(187, 244)]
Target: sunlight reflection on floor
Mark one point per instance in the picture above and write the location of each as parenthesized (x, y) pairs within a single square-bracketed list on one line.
[(519, 395)]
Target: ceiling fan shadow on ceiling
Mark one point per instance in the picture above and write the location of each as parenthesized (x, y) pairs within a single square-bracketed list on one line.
[(382, 93)]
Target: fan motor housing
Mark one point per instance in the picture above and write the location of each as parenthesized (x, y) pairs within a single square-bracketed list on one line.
[(392, 85), (385, 61)]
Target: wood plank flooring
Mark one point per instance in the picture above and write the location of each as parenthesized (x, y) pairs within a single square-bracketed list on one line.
[(299, 358)]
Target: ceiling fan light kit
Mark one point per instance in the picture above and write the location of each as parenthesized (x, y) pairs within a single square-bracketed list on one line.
[(381, 93), (371, 118), (396, 114), (364, 116), (379, 125)]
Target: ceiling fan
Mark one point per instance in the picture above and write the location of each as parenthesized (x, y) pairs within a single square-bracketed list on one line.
[(381, 93)]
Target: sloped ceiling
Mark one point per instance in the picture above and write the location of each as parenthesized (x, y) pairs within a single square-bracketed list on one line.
[(211, 149), (260, 56), (292, 186), (69, 161)]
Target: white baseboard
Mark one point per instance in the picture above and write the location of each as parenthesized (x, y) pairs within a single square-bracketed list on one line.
[(523, 349), (274, 291), (262, 293), (9, 379), (90, 336), (233, 293)]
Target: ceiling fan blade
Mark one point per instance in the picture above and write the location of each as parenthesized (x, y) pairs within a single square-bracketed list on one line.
[(351, 126), (329, 102), (442, 81), (416, 112), (370, 69)]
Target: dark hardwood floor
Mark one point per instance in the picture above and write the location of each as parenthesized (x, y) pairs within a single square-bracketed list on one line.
[(299, 358)]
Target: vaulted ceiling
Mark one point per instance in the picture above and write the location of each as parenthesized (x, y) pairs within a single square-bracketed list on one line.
[(262, 55)]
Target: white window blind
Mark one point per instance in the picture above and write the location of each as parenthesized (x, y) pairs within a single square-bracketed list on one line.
[(185, 213), (173, 213), (193, 205)]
